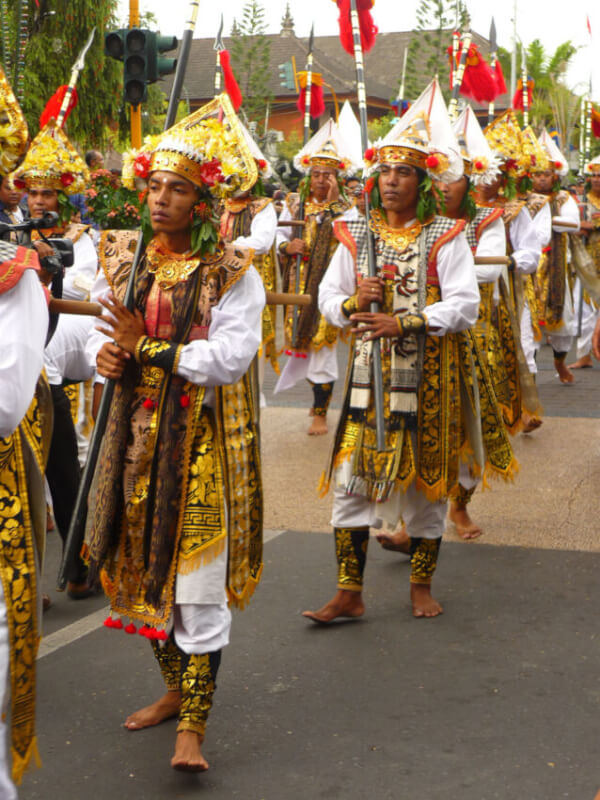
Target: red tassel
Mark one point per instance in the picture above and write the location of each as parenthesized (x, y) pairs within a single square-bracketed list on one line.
[(317, 103), (52, 109), (368, 29), (143, 631), (130, 628), (116, 623), (162, 636), (596, 123), (500, 82), (479, 82), (109, 622), (517, 102), (231, 85)]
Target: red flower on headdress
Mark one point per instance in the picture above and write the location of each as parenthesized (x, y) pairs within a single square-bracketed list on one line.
[(210, 172), (66, 179), (432, 162), (305, 161), (341, 165), (201, 210), (533, 160), (19, 183), (510, 163), (141, 165), (262, 164), (369, 154), (369, 185), (479, 165), (142, 196), (557, 165)]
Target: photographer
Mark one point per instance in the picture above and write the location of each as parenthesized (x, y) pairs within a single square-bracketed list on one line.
[(51, 172)]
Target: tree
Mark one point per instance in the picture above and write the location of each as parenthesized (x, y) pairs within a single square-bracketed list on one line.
[(55, 38), (427, 50), (250, 57)]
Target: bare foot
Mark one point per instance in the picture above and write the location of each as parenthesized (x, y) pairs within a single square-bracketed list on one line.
[(531, 424), (318, 426), (423, 604), (465, 527), (165, 708), (399, 541), (188, 756), (343, 604), (582, 363), (564, 373)]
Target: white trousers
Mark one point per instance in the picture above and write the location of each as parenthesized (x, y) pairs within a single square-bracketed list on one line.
[(319, 367), (588, 323), (422, 518), (201, 628), (7, 787), (528, 343)]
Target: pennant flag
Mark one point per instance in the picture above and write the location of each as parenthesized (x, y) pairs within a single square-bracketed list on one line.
[(517, 102), (53, 105), (317, 103), (231, 85), (368, 29)]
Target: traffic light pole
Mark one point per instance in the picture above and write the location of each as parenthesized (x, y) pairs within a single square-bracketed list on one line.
[(135, 112)]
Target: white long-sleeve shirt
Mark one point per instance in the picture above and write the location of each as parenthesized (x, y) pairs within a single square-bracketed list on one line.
[(545, 223), (23, 328), (262, 231), (286, 233), (492, 242), (234, 336), (80, 278), (525, 242), (456, 311)]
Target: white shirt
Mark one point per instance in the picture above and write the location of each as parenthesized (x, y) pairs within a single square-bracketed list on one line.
[(456, 311), (544, 222), (79, 278), (492, 242), (233, 340), (23, 328), (262, 231), (288, 232), (525, 242)]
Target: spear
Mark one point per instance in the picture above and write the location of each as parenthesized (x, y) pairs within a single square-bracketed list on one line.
[(306, 132), (22, 26), (466, 43), (372, 264), (218, 46), (524, 87), (493, 59), (75, 70), (76, 532)]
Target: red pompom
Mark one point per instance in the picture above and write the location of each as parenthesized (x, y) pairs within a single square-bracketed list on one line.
[(143, 631), (231, 85), (149, 404), (479, 165), (184, 400), (162, 636), (130, 628), (432, 162), (109, 622), (116, 623), (262, 164), (369, 154), (557, 165)]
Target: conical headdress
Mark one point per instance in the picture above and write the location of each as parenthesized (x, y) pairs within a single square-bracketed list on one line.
[(482, 165), (327, 148), (13, 128)]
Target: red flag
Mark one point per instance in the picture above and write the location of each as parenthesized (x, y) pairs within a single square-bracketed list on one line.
[(368, 29), (317, 103), (52, 108), (231, 85)]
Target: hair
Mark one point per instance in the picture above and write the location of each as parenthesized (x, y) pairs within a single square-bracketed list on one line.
[(91, 156)]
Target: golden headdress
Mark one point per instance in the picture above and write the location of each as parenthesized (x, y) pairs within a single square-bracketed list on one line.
[(208, 148), (327, 148), (535, 158), (504, 137), (52, 163), (13, 128)]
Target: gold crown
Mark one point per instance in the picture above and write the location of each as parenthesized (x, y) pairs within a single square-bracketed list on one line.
[(53, 163), (534, 156), (208, 148), (13, 128), (503, 136)]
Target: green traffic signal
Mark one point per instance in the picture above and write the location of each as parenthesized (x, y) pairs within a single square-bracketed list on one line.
[(286, 75)]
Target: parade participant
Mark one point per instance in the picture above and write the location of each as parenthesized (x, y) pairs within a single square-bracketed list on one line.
[(586, 310), (310, 340), (427, 291), (550, 214), (520, 401), (50, 173), (10, 209), (355, 190), (175, 520), (249, 220), (25, 421)]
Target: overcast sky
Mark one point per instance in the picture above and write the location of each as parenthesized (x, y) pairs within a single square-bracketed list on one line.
[(535, 19)]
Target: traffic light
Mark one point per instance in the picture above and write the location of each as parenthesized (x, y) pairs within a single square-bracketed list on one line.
[(140, 50), (286, 75)]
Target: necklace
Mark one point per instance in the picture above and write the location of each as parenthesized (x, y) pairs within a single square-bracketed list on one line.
[(169, 268), (593, 199), (235, 205), (398, 238)]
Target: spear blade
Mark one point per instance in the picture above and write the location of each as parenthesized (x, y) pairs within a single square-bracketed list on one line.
[(78, 65), (493, 41), (311, 39), (218, 45)]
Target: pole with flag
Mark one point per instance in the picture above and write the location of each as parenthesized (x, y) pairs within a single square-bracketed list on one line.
[(493, 59), (524, 87), (460, 71), (75, 535), (218, 46), (361, 92), (306, 136)]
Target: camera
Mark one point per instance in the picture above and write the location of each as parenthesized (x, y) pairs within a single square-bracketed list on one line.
[(62, 257)]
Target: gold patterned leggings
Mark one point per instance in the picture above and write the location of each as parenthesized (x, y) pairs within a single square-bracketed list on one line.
[(322, 397), (423, 558), (462, 497), (194, 675)]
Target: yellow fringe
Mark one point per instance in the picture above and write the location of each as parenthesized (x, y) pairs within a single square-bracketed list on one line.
[(242, 599), (324, 485), (19, 765), (202, 556), (508, 474)]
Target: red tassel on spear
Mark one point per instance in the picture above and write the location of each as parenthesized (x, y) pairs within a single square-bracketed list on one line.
[(517, 102), (596, 122), (53, 106), (317, 103), (499, 76), (368, 29), (231, 85)]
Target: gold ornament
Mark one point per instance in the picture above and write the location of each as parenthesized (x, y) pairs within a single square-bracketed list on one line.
[(13, 128)]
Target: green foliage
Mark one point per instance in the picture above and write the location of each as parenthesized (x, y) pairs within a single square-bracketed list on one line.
[(378, 128), (288, 148), (54, 43), (250, 57), (427, 50), (110, 204)]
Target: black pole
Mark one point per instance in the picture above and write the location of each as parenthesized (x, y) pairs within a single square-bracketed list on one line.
[(76, 532)]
